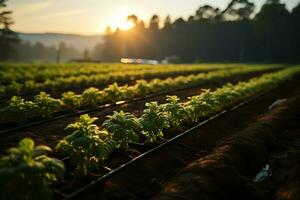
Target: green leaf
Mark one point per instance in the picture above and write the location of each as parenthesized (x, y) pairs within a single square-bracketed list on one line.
[(26, 144)]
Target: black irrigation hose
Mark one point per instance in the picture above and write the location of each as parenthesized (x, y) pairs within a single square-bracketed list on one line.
[(122, 167)]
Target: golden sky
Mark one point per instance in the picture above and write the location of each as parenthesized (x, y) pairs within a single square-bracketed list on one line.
[(93, 16)]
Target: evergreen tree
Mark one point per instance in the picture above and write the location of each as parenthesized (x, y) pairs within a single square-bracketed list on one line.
[(7, 37)]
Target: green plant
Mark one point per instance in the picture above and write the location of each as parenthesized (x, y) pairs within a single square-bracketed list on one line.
[(128, 92), (26, 172), (175, 110), (123, 127), (88, 146), (113, 93), (197, 108), (13, 89), (143, 87), (31, 86), (19, 109), (71, 100), (92, 96), (154, 120), (46, 104), (227, 94)]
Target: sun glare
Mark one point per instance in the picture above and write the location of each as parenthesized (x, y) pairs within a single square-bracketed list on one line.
[(124, 25), (119, 19)]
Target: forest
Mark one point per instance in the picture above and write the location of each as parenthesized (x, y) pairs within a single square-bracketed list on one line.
[(236, 34)]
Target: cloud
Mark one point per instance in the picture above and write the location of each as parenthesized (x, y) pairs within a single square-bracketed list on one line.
[(63, 14), (29, 8)]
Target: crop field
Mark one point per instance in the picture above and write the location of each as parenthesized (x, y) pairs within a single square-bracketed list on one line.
[(121, 131)]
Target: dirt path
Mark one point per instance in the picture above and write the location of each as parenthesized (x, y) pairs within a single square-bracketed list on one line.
[(284, 159), (227, 172)]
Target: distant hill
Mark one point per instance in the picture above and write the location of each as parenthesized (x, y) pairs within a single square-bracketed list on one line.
[(79, 42)]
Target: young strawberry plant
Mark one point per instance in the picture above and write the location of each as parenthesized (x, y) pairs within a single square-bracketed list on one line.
[(88, 146), (47, 105), (123, 127), (27, 172), (71, 100), (154, 120), (175, 110)]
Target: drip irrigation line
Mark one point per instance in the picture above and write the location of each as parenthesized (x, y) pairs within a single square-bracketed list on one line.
[(160, 147)]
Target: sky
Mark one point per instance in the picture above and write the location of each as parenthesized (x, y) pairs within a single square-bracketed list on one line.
[(93, 16)]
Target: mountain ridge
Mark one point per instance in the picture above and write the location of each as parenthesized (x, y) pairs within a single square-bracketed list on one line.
[(78, 41)]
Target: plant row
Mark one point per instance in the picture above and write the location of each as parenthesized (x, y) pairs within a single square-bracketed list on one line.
[(39, 73), (29, 171), (43, 105), (98, 79), (90, 145)]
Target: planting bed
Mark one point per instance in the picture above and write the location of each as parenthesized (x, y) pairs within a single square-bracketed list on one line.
[(149, 175), (210, 143), (227, 172), (20, 110), (52, 131)]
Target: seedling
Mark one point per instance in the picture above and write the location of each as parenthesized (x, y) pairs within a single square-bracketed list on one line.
[(154, 120), (27, 172)]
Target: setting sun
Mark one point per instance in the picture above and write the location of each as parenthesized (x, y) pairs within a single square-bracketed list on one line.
[(124, 25), (118, 18)]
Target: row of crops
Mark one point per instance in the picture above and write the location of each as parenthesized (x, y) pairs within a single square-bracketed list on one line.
[(28, 170), (27, 80), (39, 73), (43, 105)]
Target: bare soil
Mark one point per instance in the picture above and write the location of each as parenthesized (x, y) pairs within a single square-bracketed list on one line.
[(227, 172)]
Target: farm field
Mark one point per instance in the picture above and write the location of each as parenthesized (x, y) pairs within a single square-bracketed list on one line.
[(115, 131), (28, 79)]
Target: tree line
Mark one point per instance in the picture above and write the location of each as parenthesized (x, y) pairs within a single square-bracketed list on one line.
[(235, 34), (12, 48)]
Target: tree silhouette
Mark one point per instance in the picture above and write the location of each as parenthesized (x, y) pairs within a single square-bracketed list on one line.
[(207, 12), (234, 34), (133, 19), (7, 37), (239, 10), (154, 22), (273, 29)]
